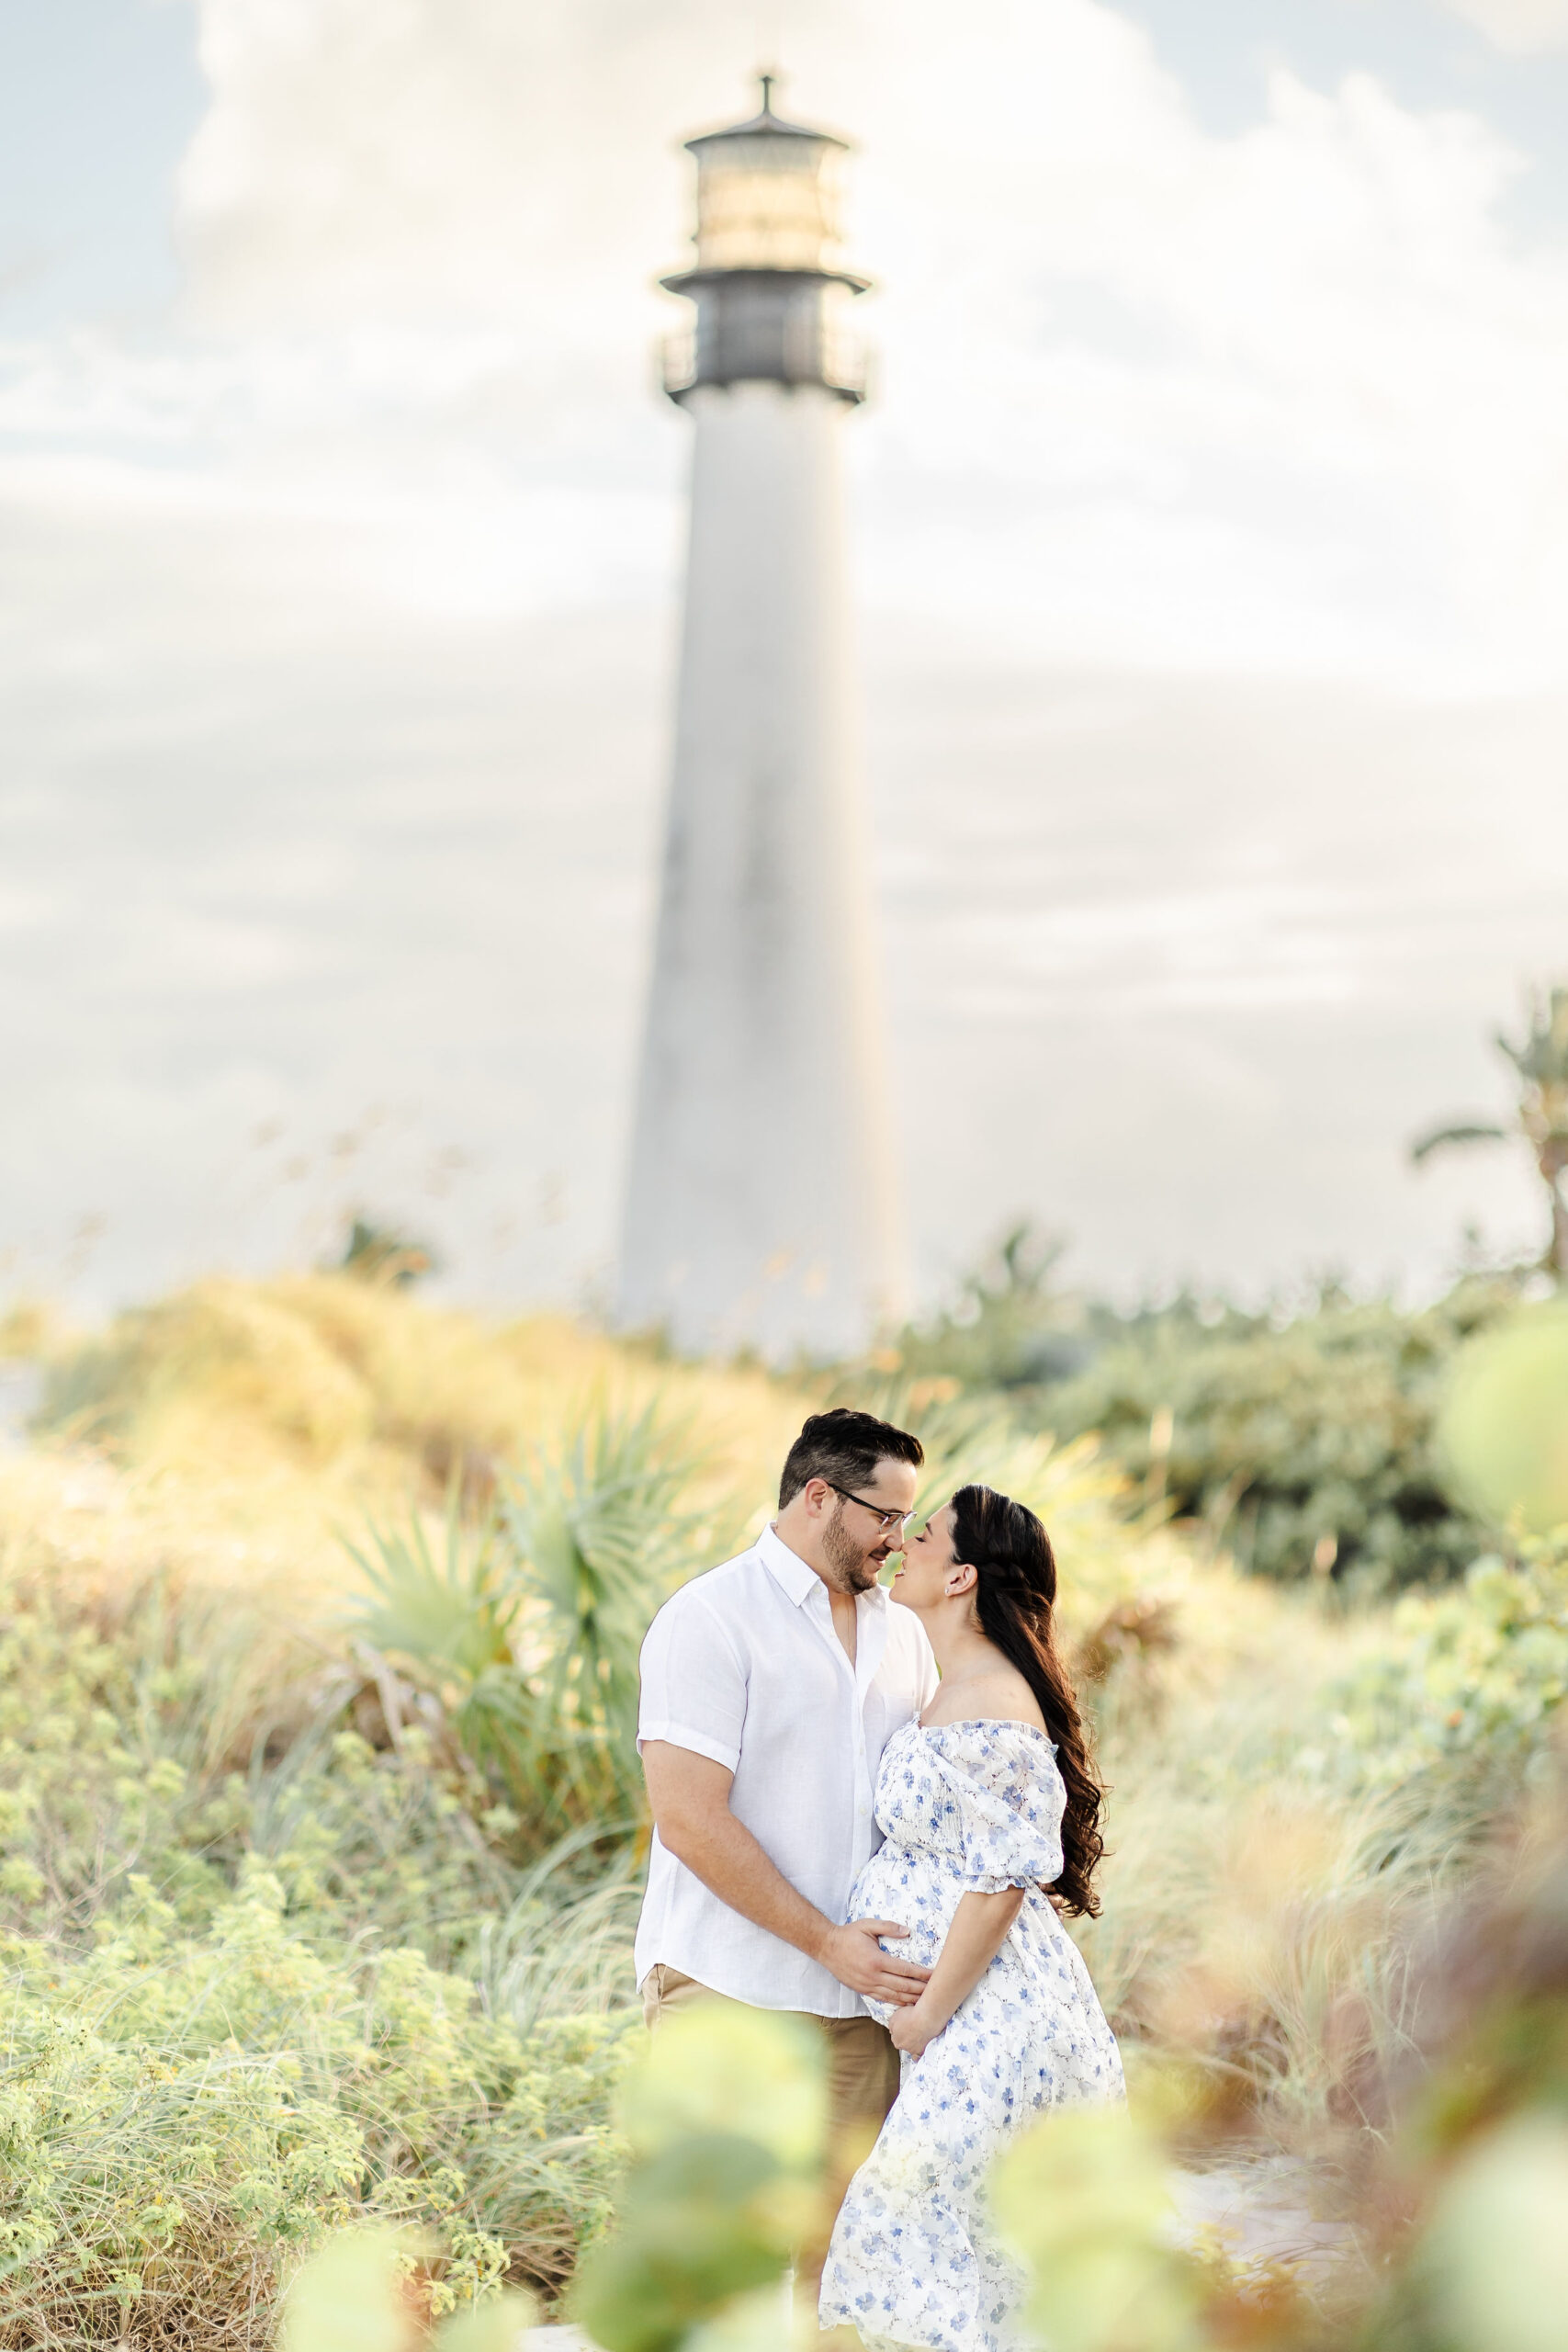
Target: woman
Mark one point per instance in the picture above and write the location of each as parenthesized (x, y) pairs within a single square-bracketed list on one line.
[(987, 1802)]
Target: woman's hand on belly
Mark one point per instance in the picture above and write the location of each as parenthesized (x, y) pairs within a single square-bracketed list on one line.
[(911, 2031), (980, 1927)]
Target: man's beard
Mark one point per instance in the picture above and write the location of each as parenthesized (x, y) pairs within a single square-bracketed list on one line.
[(851, 1571)]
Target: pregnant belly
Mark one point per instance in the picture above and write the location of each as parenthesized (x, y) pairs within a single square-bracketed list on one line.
[(900, 1883)]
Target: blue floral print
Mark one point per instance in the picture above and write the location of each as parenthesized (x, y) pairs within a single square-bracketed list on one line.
[(965, 1806)]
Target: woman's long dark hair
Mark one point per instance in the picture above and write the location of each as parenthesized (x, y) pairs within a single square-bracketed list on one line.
[(1015, 1592)]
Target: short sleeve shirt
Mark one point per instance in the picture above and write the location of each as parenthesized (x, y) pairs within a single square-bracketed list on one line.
[(743, 1666)]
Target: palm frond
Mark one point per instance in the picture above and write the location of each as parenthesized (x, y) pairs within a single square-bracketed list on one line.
[(598, 1536), (528, 1627), (1455, 1132), (1542, 1055), (449, 1610)]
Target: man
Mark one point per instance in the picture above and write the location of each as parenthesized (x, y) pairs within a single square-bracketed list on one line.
[(770, 1688)]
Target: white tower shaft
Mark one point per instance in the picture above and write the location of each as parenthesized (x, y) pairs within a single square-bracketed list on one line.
[(761, 1208)]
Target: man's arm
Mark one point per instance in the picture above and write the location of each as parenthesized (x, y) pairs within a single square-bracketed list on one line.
[(690, 1796)]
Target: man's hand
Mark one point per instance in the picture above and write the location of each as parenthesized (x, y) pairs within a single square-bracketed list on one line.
[(690, 1795), (854, 1955)]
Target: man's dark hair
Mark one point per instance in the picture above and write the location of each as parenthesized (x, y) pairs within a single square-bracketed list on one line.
[(844, 1447)]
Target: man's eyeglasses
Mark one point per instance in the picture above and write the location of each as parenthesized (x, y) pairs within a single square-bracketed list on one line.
[(885, 1519)]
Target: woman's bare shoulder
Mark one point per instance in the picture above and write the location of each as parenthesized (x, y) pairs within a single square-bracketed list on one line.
[(999, 1695)]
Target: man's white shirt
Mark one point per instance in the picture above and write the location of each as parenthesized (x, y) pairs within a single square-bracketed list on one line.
[(743, 1666)]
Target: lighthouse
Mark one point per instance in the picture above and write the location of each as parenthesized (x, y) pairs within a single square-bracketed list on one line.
[(761, 1211)]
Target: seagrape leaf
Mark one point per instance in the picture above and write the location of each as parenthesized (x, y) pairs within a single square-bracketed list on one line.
[(1083, 2197), (1495, 2261), (1503, 1431), (493, 2327), (721, 2069), (349, 2298)]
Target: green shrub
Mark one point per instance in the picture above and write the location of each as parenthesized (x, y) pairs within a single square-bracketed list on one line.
[(1304, 1443), (182, 2112), (1467, 1683), (1307, 1447), (131, 1741), (1304, 1440), (258, 1977)]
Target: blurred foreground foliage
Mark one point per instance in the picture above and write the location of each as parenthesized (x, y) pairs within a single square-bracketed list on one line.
[(724, 2114)]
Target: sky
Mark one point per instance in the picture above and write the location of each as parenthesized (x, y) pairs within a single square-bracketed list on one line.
[(1211, 531)]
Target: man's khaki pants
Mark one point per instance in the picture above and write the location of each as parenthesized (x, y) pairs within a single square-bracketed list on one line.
[(862, 2083)]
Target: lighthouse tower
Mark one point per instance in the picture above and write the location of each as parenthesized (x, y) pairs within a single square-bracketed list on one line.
[(761, 1210)]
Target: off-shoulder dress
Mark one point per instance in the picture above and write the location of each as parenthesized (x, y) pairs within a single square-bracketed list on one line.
[(965, 1806)]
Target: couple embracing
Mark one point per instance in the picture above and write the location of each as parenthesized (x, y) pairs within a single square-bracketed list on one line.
[(870, 1807)]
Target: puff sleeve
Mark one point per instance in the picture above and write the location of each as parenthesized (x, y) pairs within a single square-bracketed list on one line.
[(1011, 1801)]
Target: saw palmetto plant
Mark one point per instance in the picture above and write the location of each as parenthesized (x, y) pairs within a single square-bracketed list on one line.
[(597, 1532), (527, 1627), (445, 1614)]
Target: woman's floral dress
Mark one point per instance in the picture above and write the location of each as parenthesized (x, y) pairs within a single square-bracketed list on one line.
[(967, 1806)]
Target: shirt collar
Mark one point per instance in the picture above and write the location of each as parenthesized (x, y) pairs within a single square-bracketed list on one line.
[(796, 1577)]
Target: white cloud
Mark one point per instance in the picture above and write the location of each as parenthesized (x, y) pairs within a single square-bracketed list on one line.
[(1301, 379), (1293, 397)]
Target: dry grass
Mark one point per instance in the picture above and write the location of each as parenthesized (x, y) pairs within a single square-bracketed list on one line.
[(237, 1429), (1264, 1895)]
